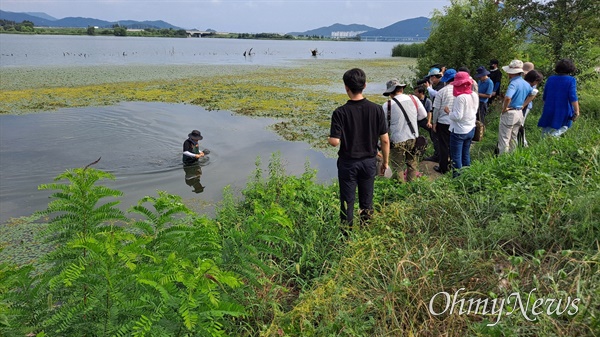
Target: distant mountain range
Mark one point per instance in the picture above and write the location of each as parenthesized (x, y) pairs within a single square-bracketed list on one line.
[(417, 28), (410, 29), (326, 31), (45, 20), (42, 15)]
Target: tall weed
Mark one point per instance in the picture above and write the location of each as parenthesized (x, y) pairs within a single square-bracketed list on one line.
[(524, 223)]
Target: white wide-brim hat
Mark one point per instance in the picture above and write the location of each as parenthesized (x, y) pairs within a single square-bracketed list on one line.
[(515, 67)]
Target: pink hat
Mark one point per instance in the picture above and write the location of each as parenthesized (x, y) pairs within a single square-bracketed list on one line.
[(462, 83)]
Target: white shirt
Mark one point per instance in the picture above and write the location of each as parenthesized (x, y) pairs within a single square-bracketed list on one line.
[(444, 98), (464, 113), (399, 129)]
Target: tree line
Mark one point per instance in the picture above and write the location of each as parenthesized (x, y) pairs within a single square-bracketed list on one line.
[(12, 26), (471, 32), (28, 27)]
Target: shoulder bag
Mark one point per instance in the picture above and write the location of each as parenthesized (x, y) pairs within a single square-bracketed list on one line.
[(420, 141), (479, 129)]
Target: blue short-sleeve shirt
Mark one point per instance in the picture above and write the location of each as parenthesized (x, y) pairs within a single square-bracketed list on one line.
[(486, 87), (518, 90)]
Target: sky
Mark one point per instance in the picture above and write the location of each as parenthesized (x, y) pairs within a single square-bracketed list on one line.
[(237, 16)]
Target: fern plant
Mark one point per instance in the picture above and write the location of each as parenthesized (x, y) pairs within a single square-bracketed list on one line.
[(81, 208), (180, 274), (159, 276), (15, 289), (280, 237)]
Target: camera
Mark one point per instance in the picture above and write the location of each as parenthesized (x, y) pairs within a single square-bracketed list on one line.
[(423, 80)]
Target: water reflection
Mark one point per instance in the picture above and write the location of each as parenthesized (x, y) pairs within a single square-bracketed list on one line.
[(192, 177), (140, 144)]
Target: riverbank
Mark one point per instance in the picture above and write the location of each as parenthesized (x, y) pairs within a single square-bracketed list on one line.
[(519, 227)]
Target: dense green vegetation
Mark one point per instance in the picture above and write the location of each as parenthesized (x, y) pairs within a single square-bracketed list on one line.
[(274, 262), (470, 33), (11, 26), (28, 28), (409, 50)]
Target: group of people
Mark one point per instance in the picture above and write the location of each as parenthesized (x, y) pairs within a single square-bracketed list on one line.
[(560, 102), (366, 131)]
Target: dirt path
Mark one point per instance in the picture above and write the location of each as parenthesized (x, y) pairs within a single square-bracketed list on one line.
[(426, 168)]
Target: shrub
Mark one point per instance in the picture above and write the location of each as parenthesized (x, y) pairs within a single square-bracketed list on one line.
[(409, 50), (161, 276)]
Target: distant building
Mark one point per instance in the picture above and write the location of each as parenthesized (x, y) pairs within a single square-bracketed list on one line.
[(394, 38), (346, 35)]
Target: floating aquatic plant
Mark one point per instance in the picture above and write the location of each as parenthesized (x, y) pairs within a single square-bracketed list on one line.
[(304, 94)]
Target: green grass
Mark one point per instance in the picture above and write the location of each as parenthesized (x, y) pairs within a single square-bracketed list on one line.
[(509, 224)]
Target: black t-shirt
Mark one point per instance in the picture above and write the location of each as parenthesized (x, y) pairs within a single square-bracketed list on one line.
[(358, 125), (496, 77), (188, 145), (439, 86)]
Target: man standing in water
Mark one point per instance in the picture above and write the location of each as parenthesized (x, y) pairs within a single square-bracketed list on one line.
[(356, 127), (191, 151)]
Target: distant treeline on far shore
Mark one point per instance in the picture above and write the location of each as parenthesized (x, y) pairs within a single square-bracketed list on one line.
[(27, 27)]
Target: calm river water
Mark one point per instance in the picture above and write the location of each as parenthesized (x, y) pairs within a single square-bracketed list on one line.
[(44, 50), (140, 143)]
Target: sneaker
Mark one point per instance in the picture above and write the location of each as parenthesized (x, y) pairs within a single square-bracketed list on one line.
[(432, 158), (436, 168)]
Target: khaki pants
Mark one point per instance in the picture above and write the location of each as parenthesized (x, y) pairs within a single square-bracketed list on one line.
[(510, 122), (400, 154)]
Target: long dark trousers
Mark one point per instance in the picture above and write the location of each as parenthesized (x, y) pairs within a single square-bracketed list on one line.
[(443, 133), (354, 173)]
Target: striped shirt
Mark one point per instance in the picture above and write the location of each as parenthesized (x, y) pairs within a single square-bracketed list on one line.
[(443, 99)]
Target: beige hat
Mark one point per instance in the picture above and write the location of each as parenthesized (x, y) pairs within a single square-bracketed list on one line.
[(527, 67), (392, 85), (515, 67)]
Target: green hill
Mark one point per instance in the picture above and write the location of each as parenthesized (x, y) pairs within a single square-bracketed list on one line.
[(416, 28), (326, 31), (42, 20)]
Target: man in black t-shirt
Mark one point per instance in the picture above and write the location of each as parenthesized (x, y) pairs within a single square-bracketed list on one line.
[(496, 77), (356, 127)]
